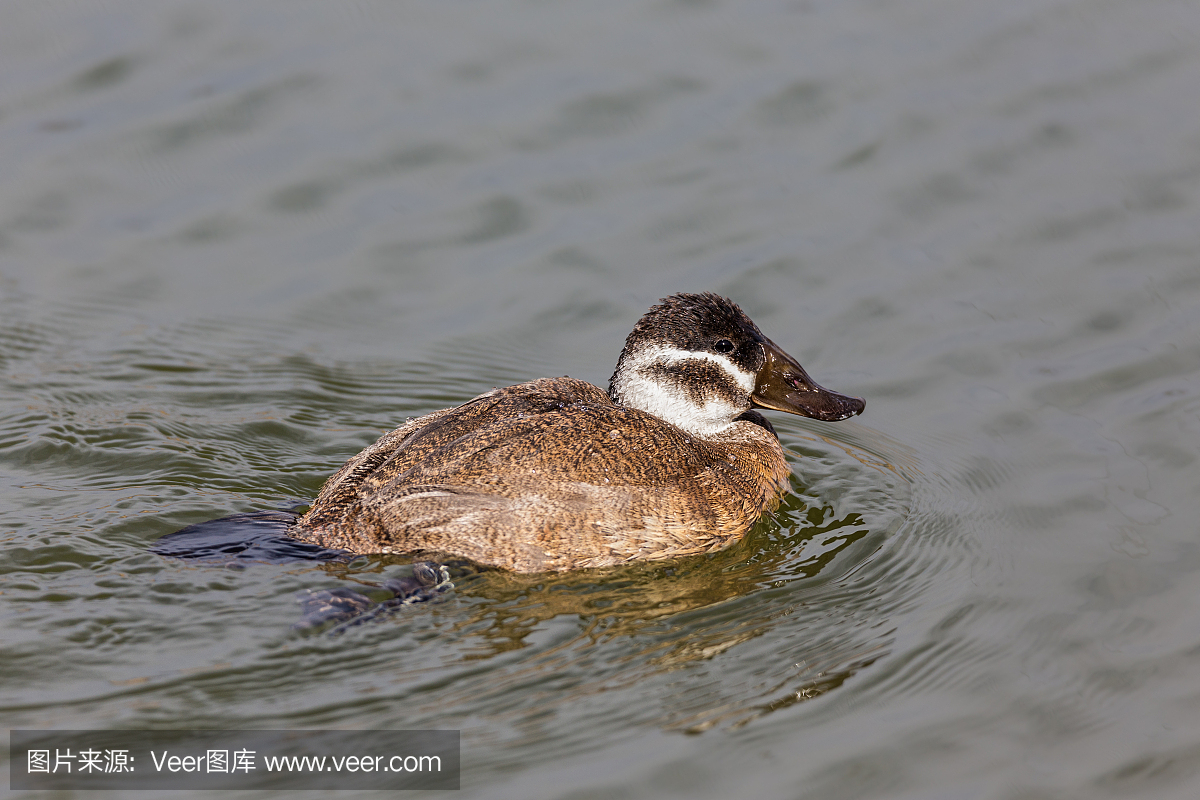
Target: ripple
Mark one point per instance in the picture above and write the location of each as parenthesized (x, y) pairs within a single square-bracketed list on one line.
[(647, 625), (771, 609), (187, 423)]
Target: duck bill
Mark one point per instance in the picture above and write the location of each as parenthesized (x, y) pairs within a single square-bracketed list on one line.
[(783, 385)]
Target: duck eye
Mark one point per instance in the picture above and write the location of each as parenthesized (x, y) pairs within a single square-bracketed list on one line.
[(723, 346)]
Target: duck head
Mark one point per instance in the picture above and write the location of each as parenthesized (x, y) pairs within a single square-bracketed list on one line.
[(698, 362)]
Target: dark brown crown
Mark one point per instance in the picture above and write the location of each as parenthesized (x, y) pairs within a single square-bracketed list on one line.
[(696, 322)]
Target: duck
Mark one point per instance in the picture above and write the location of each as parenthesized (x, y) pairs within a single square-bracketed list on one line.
[(557, 474)]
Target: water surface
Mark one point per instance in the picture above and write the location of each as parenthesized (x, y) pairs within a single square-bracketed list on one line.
[(238, 242)]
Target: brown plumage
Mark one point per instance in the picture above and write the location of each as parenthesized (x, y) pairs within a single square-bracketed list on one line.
[(555, 474)]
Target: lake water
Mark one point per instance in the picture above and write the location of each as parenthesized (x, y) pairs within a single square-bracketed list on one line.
[(239, 241)]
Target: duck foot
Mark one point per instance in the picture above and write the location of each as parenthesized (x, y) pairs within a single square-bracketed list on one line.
[(346, 608)]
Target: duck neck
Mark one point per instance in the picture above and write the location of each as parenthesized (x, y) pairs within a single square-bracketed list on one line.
[(699, 393)]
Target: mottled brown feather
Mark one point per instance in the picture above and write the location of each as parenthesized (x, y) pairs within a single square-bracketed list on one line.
[(548, 475)]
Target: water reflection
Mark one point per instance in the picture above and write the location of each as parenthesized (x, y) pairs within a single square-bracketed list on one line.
[(633, 599), (745, 626), (758, 627)]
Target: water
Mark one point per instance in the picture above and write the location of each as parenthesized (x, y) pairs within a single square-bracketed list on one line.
[(238, 241)]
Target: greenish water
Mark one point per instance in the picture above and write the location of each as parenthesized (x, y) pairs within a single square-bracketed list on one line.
[(238, 241)]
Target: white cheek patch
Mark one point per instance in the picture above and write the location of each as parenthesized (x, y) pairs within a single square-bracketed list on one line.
[(640, 389), (661, 354)]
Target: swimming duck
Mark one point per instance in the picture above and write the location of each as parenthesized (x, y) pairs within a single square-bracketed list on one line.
[(557, 474)]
